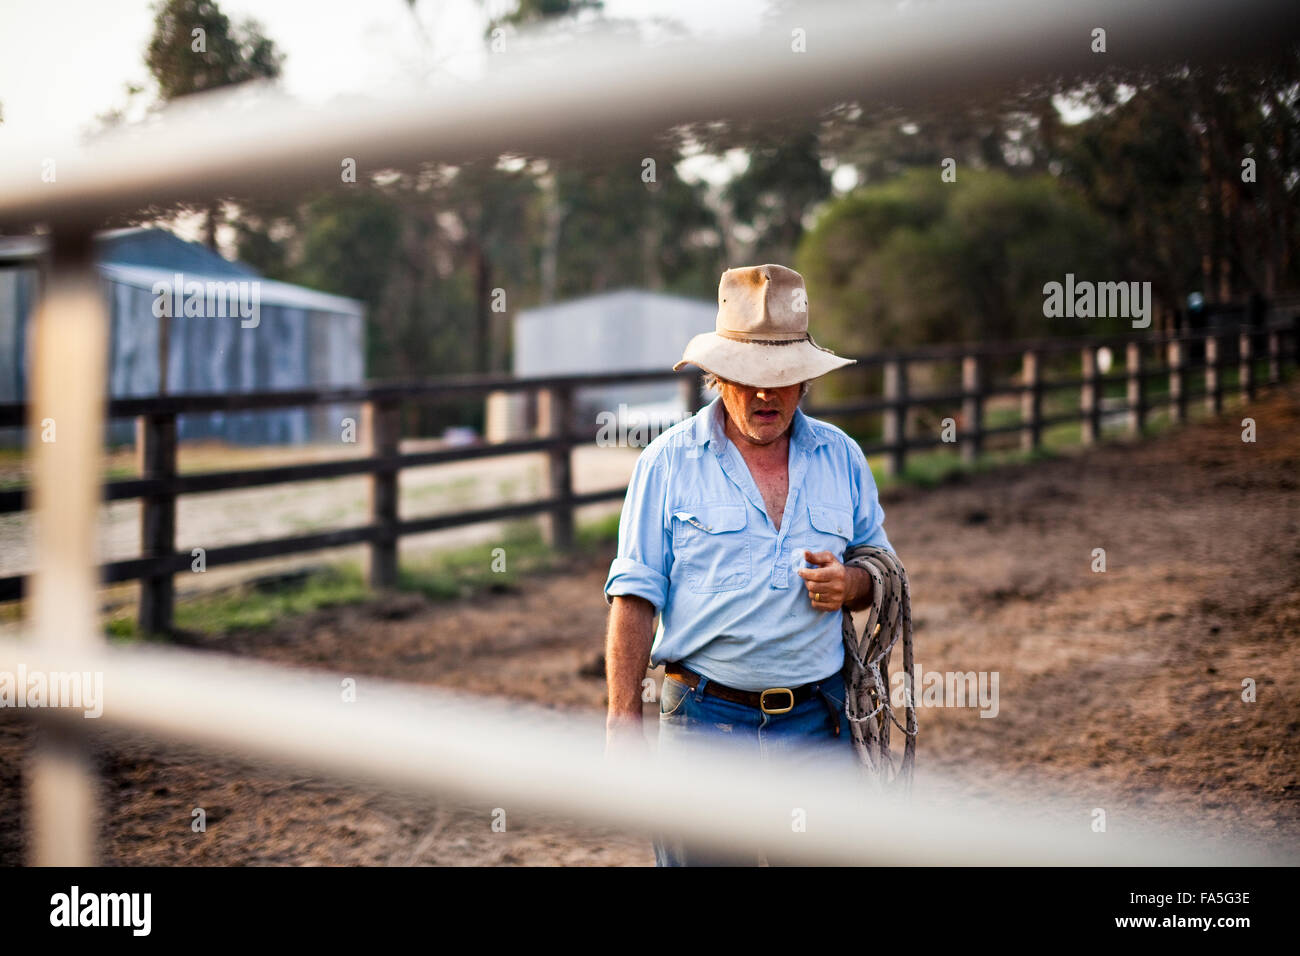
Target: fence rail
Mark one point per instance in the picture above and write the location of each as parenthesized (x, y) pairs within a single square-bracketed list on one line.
[(160, 484), (518, 756)]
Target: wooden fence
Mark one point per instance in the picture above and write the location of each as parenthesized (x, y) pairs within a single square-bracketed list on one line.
[(1270, 348)]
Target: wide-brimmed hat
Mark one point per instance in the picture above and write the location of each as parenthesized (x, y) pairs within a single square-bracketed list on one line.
[(761, 335)]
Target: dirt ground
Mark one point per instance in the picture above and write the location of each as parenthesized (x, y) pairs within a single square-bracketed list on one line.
[(1122, 689)]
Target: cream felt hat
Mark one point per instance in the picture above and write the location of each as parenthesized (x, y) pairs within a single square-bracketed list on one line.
[(761, 334)]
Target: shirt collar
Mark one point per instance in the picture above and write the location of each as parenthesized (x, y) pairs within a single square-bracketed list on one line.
[(707, 428)]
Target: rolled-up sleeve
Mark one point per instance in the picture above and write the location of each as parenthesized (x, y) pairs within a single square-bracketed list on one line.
[(868, 515), (644, 545)]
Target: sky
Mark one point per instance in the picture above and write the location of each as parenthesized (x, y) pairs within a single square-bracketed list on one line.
[(63, 62)]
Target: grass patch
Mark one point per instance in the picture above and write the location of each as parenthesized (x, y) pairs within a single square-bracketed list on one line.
[(257, 604), (599, 533), (477, 568), (495, 566), (441, 575), (16, 482), (929, 469)]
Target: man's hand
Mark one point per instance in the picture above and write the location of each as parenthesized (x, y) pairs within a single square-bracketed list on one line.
[(831, 585), (625, 739)]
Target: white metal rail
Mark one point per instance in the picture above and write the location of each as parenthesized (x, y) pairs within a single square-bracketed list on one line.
[(523, 757), (231, 144)]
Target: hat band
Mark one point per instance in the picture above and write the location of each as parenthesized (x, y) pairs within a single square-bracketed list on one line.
[(742, 337)]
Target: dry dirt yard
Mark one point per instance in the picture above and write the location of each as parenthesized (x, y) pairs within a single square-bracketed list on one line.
[(1121, 689)]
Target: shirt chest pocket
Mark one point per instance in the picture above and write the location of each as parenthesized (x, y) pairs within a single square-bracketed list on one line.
[(711, 547), (830, 529)]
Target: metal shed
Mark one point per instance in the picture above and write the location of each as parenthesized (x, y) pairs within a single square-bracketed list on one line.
[(626, 330), (298, 337)]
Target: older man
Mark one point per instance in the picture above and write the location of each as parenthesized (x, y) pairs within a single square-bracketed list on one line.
[(733, 531)]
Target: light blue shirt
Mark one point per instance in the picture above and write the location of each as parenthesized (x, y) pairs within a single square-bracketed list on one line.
[(696, 542)]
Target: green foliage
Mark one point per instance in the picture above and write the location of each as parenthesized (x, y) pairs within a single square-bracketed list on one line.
[(229, 55), (470, 570), (916, 260), (618, 230), (351, 239), (254, 606), (195, 48), (767, 201), (1165, 165), (537, 11), (784, 179)]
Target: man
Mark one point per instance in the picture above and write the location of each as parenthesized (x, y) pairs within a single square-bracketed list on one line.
[(733, 531)]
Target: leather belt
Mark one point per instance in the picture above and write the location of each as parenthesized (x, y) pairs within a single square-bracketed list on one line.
[(773, 700)]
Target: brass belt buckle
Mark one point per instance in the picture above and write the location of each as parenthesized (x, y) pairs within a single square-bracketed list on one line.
[(762, 700)]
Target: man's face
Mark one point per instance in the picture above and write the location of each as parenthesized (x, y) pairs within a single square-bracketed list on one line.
[(760, 415)]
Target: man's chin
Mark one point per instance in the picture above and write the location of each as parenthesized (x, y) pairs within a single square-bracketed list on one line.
[(762, 432)]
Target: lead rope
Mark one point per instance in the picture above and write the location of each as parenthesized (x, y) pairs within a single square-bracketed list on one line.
[(866, 668)]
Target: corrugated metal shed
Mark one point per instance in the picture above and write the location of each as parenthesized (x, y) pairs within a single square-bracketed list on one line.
[(627, 330), (301, 337)]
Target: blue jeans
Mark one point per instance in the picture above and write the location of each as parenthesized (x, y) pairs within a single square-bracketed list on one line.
[(805, 735)]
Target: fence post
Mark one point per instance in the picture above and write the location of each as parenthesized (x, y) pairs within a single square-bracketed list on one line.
[(1213, 389), (1090, 399), (382, 424), (557, 405), (1274, 357), (157, 522), (1177, 357), (895, 430), (972, 407), (692, 388), (1031, 402), (68, 344), (1136, 388), (1246, 365)]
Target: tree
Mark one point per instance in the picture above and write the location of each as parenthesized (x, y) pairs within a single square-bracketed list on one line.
[(541, 11), (620, 229), (195, 48), (784, 180), (1168, 162), (917, 260)]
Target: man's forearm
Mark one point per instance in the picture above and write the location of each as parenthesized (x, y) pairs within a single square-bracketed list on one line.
[(627, 653), (859, 587)]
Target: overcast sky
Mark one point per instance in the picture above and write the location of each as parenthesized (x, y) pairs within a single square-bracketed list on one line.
[(63, 62)]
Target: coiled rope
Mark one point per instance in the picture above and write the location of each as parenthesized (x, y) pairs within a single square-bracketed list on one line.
[(866, 667)]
